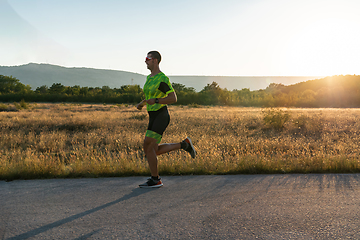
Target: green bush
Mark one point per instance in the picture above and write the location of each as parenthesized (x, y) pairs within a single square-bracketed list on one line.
[(17, 106), (23, 104), (194, 105), (301, 122), (275, 118), (3, 107), (139, 116)]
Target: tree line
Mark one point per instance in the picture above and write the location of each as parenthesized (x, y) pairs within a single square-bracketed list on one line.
[(335, 91)]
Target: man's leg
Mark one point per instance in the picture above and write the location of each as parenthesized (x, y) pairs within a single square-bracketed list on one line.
[(150, 148), (167, 147)]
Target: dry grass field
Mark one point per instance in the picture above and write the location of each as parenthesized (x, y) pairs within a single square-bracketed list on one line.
[(72, 140)]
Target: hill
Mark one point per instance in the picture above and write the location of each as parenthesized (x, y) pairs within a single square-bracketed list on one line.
[(337, 83), (37, 75), (335, 91)]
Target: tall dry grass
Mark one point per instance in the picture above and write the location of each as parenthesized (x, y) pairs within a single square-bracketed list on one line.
[(70, 140)]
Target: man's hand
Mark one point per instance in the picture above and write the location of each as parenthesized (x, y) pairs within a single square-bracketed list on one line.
[(140, 105)]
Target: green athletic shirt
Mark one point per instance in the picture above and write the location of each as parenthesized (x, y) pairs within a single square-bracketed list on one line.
[(158, 86)]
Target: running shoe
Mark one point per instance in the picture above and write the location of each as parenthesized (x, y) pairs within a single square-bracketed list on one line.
[(151, 183), (190, 148)]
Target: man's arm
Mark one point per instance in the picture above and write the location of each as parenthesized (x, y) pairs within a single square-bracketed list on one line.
[(169, 99), (140, 105)]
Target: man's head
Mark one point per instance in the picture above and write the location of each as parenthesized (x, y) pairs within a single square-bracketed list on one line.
[(152, 60), (156, 55)]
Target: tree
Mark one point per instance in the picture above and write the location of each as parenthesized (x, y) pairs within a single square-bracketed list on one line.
[(185, 95), (42, 89), (178, 87), (210, 95), (105, 89), (134, 89), (57, 88), (75, 90), (12, 85), (84, 91), (214, 86)]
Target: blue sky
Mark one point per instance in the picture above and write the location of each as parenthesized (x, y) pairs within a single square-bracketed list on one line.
[(198, 37)]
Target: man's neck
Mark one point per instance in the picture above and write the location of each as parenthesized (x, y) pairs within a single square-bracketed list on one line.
[(155, 71)]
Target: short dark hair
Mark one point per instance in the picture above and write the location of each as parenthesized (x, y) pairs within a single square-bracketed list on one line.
[(156, 55)]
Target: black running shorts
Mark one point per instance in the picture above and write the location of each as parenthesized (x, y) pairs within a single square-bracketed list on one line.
[(158, 121)]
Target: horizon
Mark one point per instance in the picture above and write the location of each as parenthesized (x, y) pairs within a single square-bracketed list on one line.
[(195, 38), (37, 75), (149, 73)]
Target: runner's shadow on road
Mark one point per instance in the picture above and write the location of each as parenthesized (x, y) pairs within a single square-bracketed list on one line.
[(134, 193)]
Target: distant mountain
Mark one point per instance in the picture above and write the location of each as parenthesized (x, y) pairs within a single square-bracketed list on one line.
[(37, 75)]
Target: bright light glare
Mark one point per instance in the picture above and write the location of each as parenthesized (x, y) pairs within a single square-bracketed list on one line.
[(325, 47)]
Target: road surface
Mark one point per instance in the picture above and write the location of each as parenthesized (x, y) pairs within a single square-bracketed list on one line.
[(289, 206)]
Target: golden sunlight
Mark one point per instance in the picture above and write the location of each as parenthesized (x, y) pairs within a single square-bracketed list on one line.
[(323, 48)]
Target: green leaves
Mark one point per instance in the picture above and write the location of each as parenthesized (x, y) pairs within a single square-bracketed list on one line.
[(12, 85), (276, 118)]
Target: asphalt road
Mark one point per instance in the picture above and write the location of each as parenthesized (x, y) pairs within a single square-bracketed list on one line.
[(313, 206)]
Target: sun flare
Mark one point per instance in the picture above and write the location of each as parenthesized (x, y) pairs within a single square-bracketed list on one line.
[(323, 48)]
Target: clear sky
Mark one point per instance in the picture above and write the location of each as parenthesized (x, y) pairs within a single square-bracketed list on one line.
[(195, 37)]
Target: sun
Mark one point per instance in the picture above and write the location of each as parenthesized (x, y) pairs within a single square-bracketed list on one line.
[(324, 47)]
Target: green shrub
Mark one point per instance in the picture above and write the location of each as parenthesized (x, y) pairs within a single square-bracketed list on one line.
[(3, 107), (194, 105), (17, 106), (301, 122), (139, 117), (276, 118), (23, 104)]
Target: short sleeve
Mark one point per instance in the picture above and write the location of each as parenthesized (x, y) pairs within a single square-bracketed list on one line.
[(164, 87)]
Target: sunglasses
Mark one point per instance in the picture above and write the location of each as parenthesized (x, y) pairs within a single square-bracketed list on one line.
[(147, 59)]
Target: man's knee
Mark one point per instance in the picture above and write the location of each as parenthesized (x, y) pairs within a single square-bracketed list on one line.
[(150, 143)]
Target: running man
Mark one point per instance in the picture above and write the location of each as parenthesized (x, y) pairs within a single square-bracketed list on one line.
[(158, 93)]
